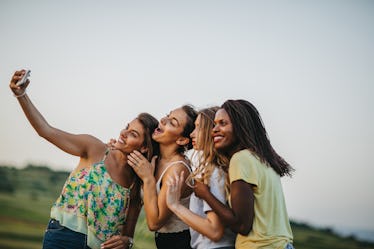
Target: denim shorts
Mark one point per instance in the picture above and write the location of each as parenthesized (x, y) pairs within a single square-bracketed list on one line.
[(59, 237)]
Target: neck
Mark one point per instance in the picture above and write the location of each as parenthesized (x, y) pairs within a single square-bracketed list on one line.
[(119, 157), (119, 169), (168, 153)]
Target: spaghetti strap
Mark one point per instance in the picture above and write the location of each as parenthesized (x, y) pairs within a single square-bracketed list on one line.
[(105, 154), (132, 184), (158, 183)]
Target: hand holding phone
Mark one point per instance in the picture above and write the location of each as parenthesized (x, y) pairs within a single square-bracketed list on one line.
[(24, 78)]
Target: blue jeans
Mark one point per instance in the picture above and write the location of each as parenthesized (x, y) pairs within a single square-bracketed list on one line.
[(59, 237), (289, 246)]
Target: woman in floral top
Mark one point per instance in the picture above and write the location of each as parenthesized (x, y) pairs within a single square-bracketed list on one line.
[(100, 201)]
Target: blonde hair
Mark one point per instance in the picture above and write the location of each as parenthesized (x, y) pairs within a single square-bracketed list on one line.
[(208, 159)]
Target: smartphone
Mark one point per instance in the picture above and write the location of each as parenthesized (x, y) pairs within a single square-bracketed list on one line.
[(24, 78)]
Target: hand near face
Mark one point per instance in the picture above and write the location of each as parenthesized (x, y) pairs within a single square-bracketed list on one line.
[(142, 167), (201, 189), (111, 143), (173, 194)]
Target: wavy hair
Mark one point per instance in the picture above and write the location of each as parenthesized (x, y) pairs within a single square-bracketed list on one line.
[(208, 159)]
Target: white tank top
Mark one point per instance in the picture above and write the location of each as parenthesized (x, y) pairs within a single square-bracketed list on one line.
[(174, 224)]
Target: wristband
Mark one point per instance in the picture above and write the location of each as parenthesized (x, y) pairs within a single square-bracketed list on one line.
[(21, 95), (130, 242)]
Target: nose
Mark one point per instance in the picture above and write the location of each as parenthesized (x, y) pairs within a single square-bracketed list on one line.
[(215, 128), (124, 133), (192, 135), (163, 121)]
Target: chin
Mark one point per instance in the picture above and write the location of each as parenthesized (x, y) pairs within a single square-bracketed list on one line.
[(155, 137), (221, 148)]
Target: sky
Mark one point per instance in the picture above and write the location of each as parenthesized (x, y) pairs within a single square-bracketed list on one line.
[(306, 65)]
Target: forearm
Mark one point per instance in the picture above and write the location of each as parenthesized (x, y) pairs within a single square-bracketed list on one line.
[(34, 116), (151, 204), (212, 229), (224, 212), (131, 220)]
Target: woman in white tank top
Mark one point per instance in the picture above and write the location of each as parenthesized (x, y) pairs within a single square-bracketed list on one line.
[(172, 135), (207, 230)]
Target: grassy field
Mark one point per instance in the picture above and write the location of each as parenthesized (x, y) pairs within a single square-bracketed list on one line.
[(26, 197), (23, 220)]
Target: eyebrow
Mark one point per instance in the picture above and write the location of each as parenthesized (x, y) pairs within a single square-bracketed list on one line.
[(219, 120), (137, 132), (174, 119)]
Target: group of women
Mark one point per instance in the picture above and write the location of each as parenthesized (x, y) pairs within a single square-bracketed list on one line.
[(226, 195)]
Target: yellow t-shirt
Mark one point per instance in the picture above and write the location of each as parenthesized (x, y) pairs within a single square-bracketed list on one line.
[(271, 227)]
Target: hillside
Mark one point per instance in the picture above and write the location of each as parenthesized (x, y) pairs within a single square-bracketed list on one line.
[(26, 196)]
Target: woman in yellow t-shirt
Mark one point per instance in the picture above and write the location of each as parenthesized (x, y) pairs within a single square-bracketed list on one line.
[(258, 211)]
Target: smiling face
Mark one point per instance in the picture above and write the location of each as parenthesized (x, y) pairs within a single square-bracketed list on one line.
[(223, 135), (131, 138), (171, 127)]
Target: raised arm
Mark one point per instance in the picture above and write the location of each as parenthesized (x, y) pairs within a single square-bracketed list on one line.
[(77, 145)]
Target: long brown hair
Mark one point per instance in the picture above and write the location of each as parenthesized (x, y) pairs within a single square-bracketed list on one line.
[(250, 133), (149, 124)]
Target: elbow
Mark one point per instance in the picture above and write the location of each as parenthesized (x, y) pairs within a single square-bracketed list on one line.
[(45, 132), (245, 229), (242, 228), (154, 226), (42, 134), (216, 236)]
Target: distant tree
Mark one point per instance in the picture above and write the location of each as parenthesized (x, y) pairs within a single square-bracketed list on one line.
[(38, 186), (34, 195), (37, 167), (58, 176), (6, 185)]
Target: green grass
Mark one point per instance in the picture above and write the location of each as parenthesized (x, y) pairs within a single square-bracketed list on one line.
[(23, 221), (27, 195), (24, 214)]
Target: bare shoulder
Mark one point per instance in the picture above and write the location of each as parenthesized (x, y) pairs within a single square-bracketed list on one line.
[(179, 166), (96, 149)]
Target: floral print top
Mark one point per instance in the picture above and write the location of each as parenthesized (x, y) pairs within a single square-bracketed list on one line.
[(93, 204)]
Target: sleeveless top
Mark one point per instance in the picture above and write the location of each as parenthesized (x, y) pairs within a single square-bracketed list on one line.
[(173, 224), (93, 204)]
